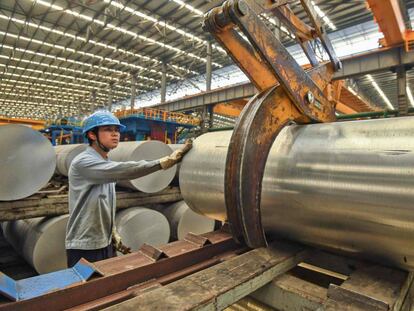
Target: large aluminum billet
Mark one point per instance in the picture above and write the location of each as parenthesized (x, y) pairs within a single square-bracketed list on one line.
[(27, 162), (41, 241), (184, 220), (346, 186), (65, 155), (145, 150), (139, 225)]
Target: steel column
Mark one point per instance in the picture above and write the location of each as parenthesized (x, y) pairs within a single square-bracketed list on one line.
[(163, 82), (133, 90), (208, 67), (402, 91), (110, 96)]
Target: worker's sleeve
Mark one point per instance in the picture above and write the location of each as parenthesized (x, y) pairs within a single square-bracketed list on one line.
[(101, 172)]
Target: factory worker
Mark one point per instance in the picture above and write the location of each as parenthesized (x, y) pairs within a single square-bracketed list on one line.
[(91, 231)]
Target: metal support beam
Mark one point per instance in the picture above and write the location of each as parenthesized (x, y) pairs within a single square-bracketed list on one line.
[(402, 91), (93, 101), (110, 96), (204, 119), (278, 28), (133, 90), (378, 61), (390, 19), (208, 67), (405, 14), (373, 62), (225, 94), (164, 82), (211, 116)]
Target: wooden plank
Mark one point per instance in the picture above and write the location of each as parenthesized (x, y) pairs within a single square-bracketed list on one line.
[(290, 293), (249, 304), (58, 205), (408, 303), (370, 288), (334, 262), (222, 285)]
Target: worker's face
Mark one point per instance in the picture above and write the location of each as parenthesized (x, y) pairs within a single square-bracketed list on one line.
[(109, 136)]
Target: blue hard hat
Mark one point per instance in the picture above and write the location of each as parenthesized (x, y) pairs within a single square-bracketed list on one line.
[(100, 118)]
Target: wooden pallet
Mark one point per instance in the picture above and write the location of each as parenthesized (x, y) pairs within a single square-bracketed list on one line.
[(331, 282), (284, 277)]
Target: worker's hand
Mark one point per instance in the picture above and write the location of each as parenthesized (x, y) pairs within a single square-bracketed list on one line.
[(117, 243), (176, 156)]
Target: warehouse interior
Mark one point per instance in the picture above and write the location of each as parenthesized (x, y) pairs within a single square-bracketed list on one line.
[(280, 134)]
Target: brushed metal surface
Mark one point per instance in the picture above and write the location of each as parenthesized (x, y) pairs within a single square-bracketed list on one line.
[(65, 155), (27, 161), (41, 241), (184, 220), (347, 186), (145, 150), (139, 225)]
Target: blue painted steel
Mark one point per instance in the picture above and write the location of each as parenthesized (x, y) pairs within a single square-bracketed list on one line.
[(46, 283), (100, 118), (138, 127), (8, 287), (55, 131)]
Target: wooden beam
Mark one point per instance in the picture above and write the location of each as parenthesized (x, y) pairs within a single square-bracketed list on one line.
[(370, 288), (222, 285), (55, 205)]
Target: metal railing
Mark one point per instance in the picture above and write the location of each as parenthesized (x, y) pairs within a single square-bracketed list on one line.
[(160, 115)]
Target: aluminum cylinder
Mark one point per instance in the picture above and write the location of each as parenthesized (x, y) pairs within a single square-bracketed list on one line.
[(139, 225), (184, 220), (40, 241), (345, 186), (145, 150), (65, 155), (27, 162)]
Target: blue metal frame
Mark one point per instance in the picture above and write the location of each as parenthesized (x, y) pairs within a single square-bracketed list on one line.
[(42, 284), (139, 128), (56, 130)]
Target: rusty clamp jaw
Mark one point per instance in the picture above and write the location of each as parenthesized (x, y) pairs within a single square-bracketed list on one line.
[(287, 93)]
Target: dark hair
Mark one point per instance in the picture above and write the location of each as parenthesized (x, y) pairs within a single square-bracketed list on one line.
[(95, 131)]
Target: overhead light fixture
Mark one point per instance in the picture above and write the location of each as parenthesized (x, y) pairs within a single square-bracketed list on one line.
[(382, 94), (322, 15), (118, 29), (410, 96), (66, 34)]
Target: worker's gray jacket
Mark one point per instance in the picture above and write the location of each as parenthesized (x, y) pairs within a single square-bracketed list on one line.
[(92, 201)]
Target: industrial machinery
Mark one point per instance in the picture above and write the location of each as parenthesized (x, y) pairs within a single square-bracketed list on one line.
[(64, 131), (212, 271), (287, 93), (154, 124)]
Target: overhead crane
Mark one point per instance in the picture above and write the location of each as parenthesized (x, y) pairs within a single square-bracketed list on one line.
[(215, 270)]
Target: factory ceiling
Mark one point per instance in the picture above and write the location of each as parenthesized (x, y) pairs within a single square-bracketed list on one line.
[(62, 57)]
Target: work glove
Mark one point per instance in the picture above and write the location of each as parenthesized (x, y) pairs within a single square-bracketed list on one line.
[(117, 243), (176, 156)]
